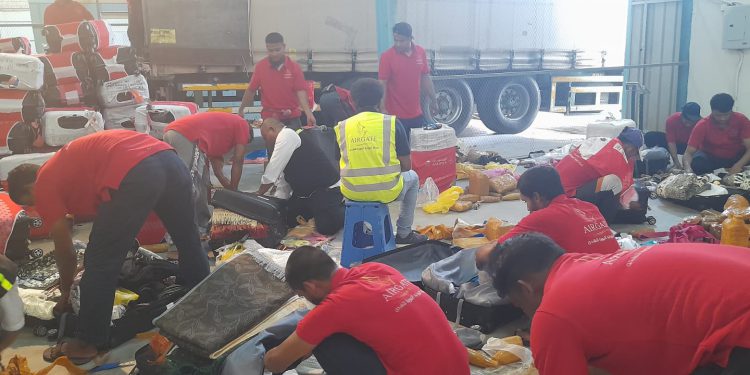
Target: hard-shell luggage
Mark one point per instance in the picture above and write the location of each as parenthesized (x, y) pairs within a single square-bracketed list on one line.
[(155, 116), (21, 72), (85, 36), (121, 118), (127, 91), (70, 94), (19, 44), (62, 125), (113, 63), (234, 299), (266, 210), (19, 105), (14, 229)]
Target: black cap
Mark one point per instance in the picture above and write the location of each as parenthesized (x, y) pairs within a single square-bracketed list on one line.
[(691, 111), (403, 29)]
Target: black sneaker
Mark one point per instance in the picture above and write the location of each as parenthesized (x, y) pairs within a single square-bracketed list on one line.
[(411, 238)]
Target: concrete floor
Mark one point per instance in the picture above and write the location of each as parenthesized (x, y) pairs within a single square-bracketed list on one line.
[(548, 131)]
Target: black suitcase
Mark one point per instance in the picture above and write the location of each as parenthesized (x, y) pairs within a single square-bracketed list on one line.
[(413, 259), (266, 210), (700, 203), (636, 216)]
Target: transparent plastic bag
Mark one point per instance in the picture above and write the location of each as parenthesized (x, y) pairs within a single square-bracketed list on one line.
[(444, 201), (429, 192)]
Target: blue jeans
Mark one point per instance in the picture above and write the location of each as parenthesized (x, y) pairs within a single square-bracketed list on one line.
[(408, 198)]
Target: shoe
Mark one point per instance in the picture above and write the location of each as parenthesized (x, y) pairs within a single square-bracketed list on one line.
[(411, 238)]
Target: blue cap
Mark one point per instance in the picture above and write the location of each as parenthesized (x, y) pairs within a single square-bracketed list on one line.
[(632, 136)]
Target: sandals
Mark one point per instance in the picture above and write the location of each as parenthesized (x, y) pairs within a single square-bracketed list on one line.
[(55, 352)]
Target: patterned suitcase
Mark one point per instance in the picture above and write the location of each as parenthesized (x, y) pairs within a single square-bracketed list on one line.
[(78, 36), (121, 118), (14, 229), (62, 125), (18, 44), (127, 91), (65, 68), (231, 301), (155, 116), (21, 72), (18, 105), (113, 63)]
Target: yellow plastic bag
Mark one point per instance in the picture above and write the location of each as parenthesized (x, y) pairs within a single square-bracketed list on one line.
[(444, 201), (124, 296)]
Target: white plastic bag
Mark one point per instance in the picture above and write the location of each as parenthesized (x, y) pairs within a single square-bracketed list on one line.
[(428, 192)]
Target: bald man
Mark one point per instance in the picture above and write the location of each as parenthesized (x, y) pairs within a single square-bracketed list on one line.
[(304, 168)]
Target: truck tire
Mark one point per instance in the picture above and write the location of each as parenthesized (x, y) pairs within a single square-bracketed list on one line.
[(509, 106), (455, 103)]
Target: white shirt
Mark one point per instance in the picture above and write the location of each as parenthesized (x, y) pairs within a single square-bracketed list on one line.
[(11, 311)]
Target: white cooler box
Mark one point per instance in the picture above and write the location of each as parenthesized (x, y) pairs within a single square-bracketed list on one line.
[(128, 91), (21, 72), (62, 125), (9, 162), (161, 115), (433, 154), (608, 129), (122, 118)]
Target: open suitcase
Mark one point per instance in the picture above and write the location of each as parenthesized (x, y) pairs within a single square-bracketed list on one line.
[(412, 260), (266, 210), (62, 125), (22, 72), (18, 44)]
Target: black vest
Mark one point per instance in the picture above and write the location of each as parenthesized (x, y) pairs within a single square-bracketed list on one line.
[(315, 164)]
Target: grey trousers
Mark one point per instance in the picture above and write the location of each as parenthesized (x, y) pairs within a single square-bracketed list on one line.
[(197, 163)]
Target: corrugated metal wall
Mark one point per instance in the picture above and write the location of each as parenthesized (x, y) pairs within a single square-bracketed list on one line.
[(655, 43)]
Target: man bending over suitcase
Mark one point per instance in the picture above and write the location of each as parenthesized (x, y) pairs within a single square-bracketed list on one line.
[(600, 171), (368, 320), (575, 225), (118, 177), (663, 309), (209, 135), (306, 161)]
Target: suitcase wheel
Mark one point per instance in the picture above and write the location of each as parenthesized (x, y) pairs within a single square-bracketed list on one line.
[(36, 253), (36, 222), (40, 331), (651, 220)]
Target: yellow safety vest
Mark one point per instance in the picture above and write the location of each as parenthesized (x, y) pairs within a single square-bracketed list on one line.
[(370, 169)]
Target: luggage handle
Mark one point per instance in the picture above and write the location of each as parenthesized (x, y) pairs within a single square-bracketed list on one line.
[(459, 310)]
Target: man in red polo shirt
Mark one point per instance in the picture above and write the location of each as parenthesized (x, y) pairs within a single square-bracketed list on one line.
[(721, 140), (282, 85), (406, 77), (664, 309), (65, 11), (209, 135), (368, 320), (575, 225), (601, 169), (678, 129), (118, 176)]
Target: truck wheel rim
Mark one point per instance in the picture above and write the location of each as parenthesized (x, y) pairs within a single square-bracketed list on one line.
[(449, 107), (514, 101)]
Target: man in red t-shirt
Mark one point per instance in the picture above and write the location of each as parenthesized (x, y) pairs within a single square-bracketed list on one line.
[(678, 129), (721, 140), (209, 135), (65, 11), (600, 171), (118, 176), (368, 320), (282, 85), (575, 225), (664, 309), (406, 78)]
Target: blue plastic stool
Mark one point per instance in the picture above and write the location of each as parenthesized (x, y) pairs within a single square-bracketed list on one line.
[(367, 231)]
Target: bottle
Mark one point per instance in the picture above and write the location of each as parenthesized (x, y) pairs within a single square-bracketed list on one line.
[(734, 231)]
